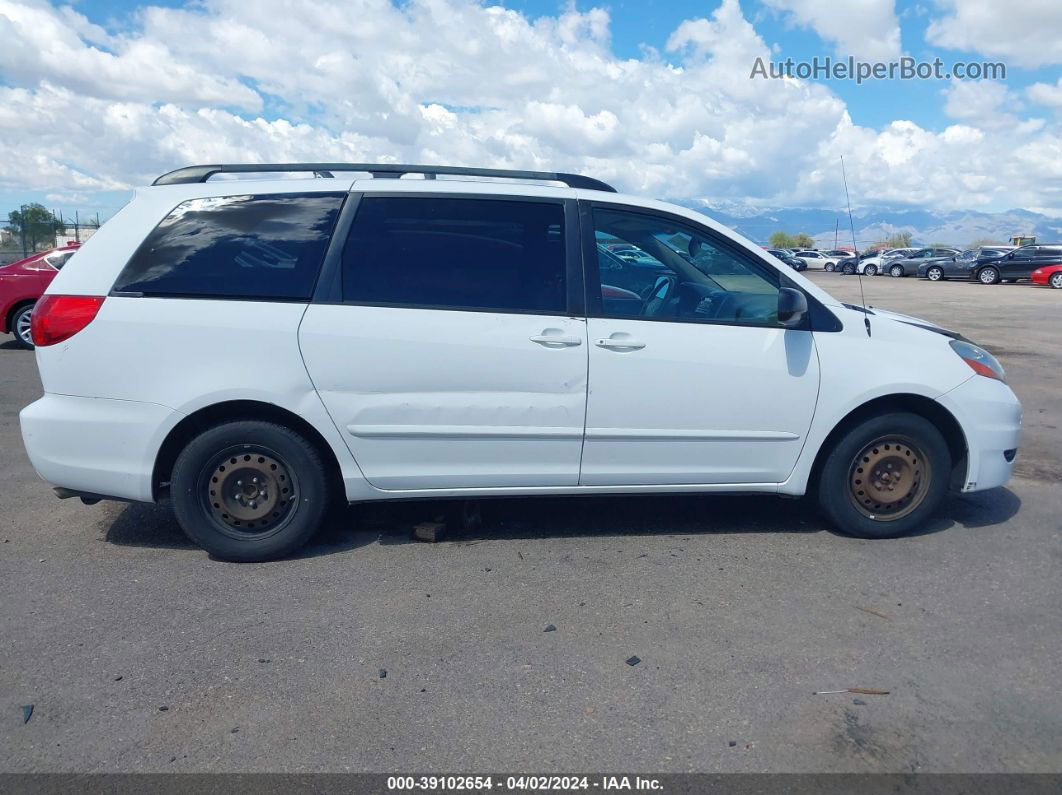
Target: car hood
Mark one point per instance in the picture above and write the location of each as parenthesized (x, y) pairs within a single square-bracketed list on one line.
[(917, 322)]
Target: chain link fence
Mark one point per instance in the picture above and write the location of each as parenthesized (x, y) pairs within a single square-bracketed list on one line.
[(30, 228)]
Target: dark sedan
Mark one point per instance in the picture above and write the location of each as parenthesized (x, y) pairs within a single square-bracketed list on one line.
[(788, 259), (958, 267), (924, 256)]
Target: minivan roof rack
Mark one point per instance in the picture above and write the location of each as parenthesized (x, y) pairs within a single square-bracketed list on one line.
[(191, 174)]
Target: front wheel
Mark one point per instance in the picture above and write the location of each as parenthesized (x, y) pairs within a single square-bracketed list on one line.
[(896, 271), (935, 274), (1056, 280), (250, 490), (885, 477), (20, 327), (988, 276), (870, 270), (828, 267)]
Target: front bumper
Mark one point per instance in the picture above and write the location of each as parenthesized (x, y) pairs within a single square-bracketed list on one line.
[(990, 416), (95, 445)]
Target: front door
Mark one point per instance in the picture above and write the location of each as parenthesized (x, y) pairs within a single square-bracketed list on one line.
[(692, 379), (1019, 263), (453, 359)]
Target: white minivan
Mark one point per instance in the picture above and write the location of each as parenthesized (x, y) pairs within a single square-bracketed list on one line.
[(258, 350)]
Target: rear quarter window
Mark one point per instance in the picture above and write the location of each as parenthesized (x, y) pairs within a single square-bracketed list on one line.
[(264, 247)]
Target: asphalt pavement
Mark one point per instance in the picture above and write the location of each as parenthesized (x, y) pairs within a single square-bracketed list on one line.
[(140, 653)]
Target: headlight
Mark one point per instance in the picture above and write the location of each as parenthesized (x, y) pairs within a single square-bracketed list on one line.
[(1038, 272), (980, 360)]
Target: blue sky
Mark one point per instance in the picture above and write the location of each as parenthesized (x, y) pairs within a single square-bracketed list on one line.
[(157, 90)]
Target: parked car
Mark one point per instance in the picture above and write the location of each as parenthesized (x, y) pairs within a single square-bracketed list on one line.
[(839, 254), (816, 259), (877, 262), (795, 263), (22, 283), (906, 266), (854, 265), (940, 269), (298, 343), (1017, 264), (1049, 276)]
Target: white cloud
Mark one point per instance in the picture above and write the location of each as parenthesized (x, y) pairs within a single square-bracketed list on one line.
[(1046, 94), (40, 43), (452, 81), (865, 29), (1025, 32)]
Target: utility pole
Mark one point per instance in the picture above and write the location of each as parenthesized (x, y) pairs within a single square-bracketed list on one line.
[(77, 227), (22, 228)]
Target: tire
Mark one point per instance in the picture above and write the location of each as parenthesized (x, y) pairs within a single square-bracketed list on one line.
[(935, 274), (849, 270), (20, 326), (896, 271), (828, 267), (1056, 280), (870, 270), (988, 275), (283, 487), (891, 442)]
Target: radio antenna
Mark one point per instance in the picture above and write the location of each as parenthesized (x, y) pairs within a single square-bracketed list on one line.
[(855, 250)]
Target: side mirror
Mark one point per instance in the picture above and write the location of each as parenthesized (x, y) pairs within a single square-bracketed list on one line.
[(792, 307)]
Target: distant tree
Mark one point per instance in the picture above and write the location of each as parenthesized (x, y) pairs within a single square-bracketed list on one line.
[(36, 223), (985, 241), (899, 240), (804, 240), (781, 240)]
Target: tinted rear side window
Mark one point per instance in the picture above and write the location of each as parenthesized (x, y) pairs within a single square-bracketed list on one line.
[(486, 254), (236, 246)]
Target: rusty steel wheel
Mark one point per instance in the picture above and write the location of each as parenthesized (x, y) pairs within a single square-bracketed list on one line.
[(249, 491), (889, 478)]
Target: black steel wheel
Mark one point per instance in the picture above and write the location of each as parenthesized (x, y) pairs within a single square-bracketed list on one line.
[(250, 490)]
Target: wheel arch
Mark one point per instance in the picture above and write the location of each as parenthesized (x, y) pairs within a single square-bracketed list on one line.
[(920, 405), (230, 411)]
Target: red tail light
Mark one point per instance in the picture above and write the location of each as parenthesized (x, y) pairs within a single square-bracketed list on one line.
[(59, 317)]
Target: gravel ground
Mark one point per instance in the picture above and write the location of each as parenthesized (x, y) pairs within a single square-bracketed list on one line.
[(139, 653)]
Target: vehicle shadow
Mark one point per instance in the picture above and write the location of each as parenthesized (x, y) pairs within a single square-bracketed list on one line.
[(387, 523), (155, 526), (11, 345)]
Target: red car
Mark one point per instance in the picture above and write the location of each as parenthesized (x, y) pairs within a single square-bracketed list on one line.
[(1049, 275), (22, 283)]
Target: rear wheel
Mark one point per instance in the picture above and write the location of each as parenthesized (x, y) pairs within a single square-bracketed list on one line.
[(20, 326), (935, 274), (988, 275), (250, 490), (1056, 280), (870, 270), (896, 271), (885, 477)]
